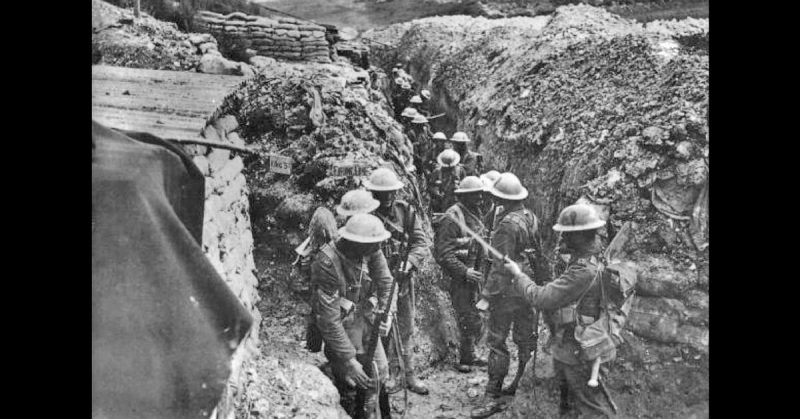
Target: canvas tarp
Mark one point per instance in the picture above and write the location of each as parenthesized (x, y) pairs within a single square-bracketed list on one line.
[(164, 324)]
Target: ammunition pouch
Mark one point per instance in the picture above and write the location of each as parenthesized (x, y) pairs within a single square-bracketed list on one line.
[(563, 316)]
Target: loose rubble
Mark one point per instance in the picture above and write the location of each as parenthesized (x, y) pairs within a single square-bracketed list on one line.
[(145, 42)]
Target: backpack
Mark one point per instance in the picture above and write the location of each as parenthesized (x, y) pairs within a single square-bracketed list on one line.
[(617, 282)]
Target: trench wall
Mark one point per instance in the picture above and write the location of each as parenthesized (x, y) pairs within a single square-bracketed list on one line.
[(228, 243)]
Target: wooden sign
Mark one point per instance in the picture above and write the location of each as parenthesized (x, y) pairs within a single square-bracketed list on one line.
[(280, 164), (350, 168)]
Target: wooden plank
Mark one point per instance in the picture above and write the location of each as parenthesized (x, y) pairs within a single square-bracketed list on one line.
[(168, 104)]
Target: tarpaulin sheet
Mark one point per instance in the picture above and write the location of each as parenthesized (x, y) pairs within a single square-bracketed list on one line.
[(164, 324)]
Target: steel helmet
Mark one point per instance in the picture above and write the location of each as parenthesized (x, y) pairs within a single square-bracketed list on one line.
[(425, 93), (509, 187), (419, 119), (409, 112), (364, 228), (356, 202), (439, 136), (460, 137), (470, 184), (578, 217), (383, 179), (415, 99), (489, 178), (448, 158)]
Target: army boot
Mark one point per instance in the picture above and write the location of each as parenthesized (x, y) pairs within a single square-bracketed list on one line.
[(412, 383), (489, 406), (468, 359)]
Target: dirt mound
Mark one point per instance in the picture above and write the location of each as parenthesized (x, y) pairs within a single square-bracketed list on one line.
[(144, 42), (586, 104)]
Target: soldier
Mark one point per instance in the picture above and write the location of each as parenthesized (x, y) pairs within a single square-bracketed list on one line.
[(470, 160), (352, 283), (460, 258), (579, 226), (400, 96), (444, 181), (425, 95), (515, 233), (397, 216), (440, 144), (420, 137), (490, 211), (358, 201), (416, 102), (406, 117)]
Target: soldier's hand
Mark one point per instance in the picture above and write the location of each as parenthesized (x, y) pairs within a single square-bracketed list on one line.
[(474, 276), (386, 326), (512, 267), (356, 376)]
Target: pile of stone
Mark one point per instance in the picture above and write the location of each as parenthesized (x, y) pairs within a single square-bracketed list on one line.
[(282, 38)]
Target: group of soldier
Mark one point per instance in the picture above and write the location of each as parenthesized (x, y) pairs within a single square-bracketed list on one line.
[(488, 245)]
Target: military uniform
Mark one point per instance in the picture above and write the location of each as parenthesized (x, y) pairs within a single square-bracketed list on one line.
[(346, 335), (421, 139), (456, 252), (442, 184), (396, 222), (558, 301), (514, 232), (470, 162)]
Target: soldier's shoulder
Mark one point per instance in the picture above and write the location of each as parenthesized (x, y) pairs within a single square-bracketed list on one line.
[(514, 218)]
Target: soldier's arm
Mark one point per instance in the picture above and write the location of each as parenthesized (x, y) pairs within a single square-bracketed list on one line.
[(381, 277), (444, 250), (419, 243), (564, 290), (328, 313)]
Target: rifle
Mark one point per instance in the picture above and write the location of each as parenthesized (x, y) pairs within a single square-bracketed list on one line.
[(369, 365), (483, 304)]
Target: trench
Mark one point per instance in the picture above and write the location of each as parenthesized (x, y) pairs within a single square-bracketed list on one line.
[(558, 170)]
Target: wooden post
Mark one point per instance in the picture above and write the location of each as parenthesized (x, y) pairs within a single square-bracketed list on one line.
[(137, 9)]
